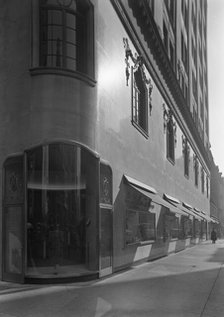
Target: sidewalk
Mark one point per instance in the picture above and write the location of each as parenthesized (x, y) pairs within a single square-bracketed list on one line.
[(189, 284)]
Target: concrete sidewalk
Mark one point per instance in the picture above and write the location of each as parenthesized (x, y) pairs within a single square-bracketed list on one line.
[(189, 283)]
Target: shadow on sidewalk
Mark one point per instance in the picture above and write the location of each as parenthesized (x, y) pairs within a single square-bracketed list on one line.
[(154, 290)]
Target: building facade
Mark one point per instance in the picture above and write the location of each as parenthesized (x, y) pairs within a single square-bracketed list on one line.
[(104, 112)]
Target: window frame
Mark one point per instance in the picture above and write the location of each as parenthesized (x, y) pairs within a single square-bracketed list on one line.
[(196, 171), (170, 140), (87, 75), (140, 107), (186, 152), (138, 225)]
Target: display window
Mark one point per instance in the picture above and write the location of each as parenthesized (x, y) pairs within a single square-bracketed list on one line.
[(197, 228), (61, 204), (139, 226), (186, 227), (140, 222), (171, 226)]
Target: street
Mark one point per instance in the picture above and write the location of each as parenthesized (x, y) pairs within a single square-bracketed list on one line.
[(189, 283)]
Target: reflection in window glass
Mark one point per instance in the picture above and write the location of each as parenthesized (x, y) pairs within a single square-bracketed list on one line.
[(197, 228), (186, 227), (171, 226), (139, 226), (58, 212), (66, 31)]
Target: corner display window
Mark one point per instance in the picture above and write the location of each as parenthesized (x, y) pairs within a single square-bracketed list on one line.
[(61, 191)]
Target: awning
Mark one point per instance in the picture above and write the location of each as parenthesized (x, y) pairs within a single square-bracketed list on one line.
[(181, 206), (214, 219), (171, 199), (189, 209), (151, 193), (207, 217), (134, 182)]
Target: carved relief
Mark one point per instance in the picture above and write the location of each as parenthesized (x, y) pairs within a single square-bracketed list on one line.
[(138, 65)]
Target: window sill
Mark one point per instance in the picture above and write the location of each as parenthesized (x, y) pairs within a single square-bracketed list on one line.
[(63, 72), (147, 242), (141, 130), (173, 239), (140, 243)]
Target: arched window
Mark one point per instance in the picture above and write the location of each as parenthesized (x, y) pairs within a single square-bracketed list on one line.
[(66, 35)]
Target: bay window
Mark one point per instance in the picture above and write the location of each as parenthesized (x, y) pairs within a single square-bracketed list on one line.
[(66, 35)]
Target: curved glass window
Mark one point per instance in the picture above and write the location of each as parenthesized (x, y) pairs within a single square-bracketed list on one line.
[(61, 193), (66, 35)]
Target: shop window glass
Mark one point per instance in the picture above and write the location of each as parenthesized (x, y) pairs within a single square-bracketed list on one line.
[(66, 35), (59, 213), (171, 226), (139, 226), (186, 227), (203, 229), (139, 221), (197, 228)]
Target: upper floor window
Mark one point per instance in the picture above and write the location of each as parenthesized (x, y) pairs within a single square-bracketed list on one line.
[(151, 5), (165, 36), (172, 56), (139, 100), (66, 35), (170, 4), (196, 170), (202, 180), (186, 154), (184, 10), (184, 53), (170, 127), (207, 186)]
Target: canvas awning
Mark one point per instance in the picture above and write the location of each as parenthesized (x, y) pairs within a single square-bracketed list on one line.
[(189, 209), (152, 194), (214, 219)]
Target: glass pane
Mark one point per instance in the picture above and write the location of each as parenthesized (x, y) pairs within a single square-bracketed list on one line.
[(54, 17), (71, 64), (71, 50), (131, 227), (71, 20), (34, 178), (71, 4), (59, 214), (71, 36), (54, 32), (54, 61), (65, 166), (13, 240)]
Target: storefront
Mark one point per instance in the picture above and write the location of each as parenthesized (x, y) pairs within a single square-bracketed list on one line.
[(51, 215)]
